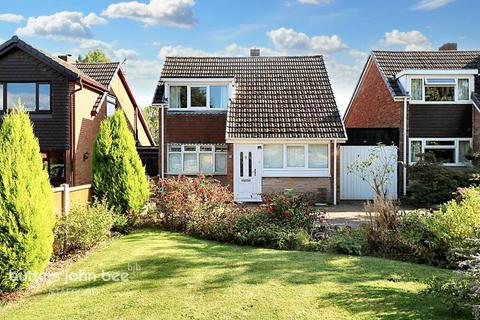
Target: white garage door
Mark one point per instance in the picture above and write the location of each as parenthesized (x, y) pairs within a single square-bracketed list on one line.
[(352, 187)]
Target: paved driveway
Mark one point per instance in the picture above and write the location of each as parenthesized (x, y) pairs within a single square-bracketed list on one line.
[(350, 213)]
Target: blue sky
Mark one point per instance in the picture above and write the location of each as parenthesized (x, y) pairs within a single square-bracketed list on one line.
[(144, 32)]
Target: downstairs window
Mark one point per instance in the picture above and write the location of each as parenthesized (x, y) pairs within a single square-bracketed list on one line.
[(195, 159), (449, 151)]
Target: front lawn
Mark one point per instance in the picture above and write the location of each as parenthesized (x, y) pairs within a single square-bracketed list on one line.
[(175, 276)]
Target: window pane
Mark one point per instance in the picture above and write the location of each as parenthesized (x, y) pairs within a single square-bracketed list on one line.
[(440, 81), (463, 151), (221, 148), (174, 162), (175, 149), (273, 156), (463, 89), (206, 162), (220, 163), (206, 148), (198, 96), (44, 96), (218, 97), (57, 165), (25, 92), (439, 93), (443, 155), (190, 148), (178, 97), (441, 143), (1, 96), (415, 150), (296, 156), (190, 162), (318, 156), (417, 88)]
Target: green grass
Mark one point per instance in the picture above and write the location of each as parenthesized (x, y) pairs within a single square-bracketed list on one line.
[(180, 277)]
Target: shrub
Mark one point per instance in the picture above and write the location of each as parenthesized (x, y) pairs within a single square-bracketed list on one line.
[(26, 206), (431, 183), (83, 227), (347, 241), (290, 209), (118, 173), (198, 206)]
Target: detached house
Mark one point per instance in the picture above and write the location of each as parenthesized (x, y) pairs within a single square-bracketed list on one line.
[(421, 101), (66, 102), (258, 124)]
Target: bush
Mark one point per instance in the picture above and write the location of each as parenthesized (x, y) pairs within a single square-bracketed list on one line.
[(83, 227), (431, 183), (118, 173), (26, 205), (202, 207), (347, 241)]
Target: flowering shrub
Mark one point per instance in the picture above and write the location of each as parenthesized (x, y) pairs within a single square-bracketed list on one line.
[(290, 209), (198, 206), (203, 207)]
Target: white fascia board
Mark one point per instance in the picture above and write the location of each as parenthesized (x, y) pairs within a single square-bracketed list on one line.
[(196, 80), (436, 72), (282, 140)]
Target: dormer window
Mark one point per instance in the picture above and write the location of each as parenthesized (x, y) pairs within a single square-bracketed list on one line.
[(440, 89), (198, 97)]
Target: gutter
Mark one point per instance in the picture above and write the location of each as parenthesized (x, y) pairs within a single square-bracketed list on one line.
[(405, 100)]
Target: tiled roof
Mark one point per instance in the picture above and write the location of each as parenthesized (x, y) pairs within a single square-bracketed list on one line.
[(101, 72), (391, 63), (275, 97)]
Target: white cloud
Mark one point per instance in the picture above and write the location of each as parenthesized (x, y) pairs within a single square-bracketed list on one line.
[(10, 17), (128, 54), (92, 44), (412, 40), (176, 13), (315, 1), (290, 41), (430, 4), (236, 50), (181, 51), (65, 25)]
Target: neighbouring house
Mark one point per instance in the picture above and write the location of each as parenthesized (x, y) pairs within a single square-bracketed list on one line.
[(420, 101), (66, 101), (258, 124)]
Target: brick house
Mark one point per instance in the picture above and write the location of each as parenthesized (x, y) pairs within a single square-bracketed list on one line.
[(258, 124), (66, 102), (421, 101)]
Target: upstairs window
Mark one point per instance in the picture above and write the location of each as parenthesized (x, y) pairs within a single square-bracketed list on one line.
[(34, 96), (197, 97), (439, 89)]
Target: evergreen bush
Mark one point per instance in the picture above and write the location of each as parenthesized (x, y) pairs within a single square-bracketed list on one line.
[(118, 173), (26, 204)]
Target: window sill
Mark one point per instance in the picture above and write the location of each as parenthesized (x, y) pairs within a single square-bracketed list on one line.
[(323, 173), (194, 174), (440, 102)]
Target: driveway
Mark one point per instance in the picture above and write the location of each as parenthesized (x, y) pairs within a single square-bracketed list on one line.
[(350, 213)]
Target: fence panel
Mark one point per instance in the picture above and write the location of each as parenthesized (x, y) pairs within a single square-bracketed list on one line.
[(64, 197)]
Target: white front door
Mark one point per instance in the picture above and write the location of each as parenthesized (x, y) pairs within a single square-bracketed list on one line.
[(247, 172)]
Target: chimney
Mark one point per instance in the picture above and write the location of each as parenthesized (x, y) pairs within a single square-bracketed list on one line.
[(254, 52), (67, 57), (448, 46)]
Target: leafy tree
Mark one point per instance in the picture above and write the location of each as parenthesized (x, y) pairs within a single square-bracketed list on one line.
[(118, 173), (26, 204), (152, 115), (93, 56)]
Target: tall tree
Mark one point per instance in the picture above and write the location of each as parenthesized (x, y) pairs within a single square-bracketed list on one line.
[(118, 173), (26, 204), (152, 115), (93, 56)]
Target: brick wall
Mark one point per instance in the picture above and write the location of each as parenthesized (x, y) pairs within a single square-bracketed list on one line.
[(476, 129), (373, 107), (322, 187), (86, 129), (196, 128)]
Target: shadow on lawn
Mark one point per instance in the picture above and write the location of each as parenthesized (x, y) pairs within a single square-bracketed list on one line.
[(361, 285)]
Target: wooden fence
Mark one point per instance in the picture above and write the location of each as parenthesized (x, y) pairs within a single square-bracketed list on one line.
[(65, 196)]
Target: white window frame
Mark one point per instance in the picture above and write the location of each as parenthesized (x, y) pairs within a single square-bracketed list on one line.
[(455, 146), (304, 171), (197, 152), (455, 77), (199, 83)]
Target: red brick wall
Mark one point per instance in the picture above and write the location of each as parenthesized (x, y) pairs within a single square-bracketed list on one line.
[(203, 128), (374, 107)]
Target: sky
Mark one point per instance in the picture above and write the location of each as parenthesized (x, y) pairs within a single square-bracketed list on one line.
[(144, 32)]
